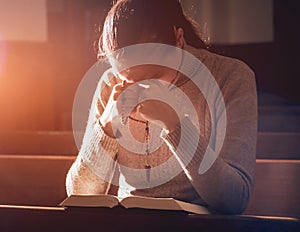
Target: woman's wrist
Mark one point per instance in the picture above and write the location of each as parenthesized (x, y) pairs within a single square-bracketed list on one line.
[(171, 120), (107, 128), (172, 123)]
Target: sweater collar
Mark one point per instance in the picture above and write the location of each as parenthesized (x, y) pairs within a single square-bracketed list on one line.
[(190, 68)]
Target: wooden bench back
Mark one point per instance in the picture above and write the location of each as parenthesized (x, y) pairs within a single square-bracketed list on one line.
[(40, 180)]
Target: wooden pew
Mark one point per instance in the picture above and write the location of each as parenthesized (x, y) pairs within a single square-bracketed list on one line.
[(33, 166), (38, 142), (275, 145), (276, 188), (270, 145), (40, 180), (279, 118), (33, 179)]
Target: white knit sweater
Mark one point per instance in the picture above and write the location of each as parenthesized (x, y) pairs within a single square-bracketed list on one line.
[(225, 188)]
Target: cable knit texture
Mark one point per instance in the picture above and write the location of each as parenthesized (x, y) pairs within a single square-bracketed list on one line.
[(226, 186)]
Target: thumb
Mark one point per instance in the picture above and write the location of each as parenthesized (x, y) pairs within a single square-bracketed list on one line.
[(117, 90)]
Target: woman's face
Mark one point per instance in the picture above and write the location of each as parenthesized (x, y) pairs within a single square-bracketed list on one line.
[(153, 53), (143, 72)]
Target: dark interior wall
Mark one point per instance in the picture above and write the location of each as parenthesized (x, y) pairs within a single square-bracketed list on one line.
[(40, 80), (287, 37), (276, 64)]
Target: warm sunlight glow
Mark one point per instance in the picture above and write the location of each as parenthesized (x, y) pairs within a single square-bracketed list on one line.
[(23, 20), (2, 55)]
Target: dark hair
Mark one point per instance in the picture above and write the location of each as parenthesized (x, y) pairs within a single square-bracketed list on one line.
[(137, 21)]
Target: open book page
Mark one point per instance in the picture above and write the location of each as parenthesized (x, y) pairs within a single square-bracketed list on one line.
[(162, 203), (193, 208), (103, 200), (100, 200)]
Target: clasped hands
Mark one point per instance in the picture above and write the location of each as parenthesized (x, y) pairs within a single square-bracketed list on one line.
[(149, 99)]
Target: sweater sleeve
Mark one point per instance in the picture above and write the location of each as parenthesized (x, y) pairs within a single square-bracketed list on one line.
[(227, 185), (94, 167)]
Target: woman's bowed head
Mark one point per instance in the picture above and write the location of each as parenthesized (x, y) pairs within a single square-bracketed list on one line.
[(135, 22), (152, 126)]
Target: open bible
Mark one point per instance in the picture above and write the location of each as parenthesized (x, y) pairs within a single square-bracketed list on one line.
[(110, 201)]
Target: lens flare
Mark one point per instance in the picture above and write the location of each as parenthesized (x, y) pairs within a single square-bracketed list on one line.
[(3, 54), (86, 106)]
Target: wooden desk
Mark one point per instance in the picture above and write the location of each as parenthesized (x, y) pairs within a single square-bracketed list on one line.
[(18, 218)]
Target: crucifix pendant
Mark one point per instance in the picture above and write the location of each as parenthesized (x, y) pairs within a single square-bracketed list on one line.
[(148, 170), (147, 166)]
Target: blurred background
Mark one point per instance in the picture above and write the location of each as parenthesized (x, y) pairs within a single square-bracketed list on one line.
[(46, 47)]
